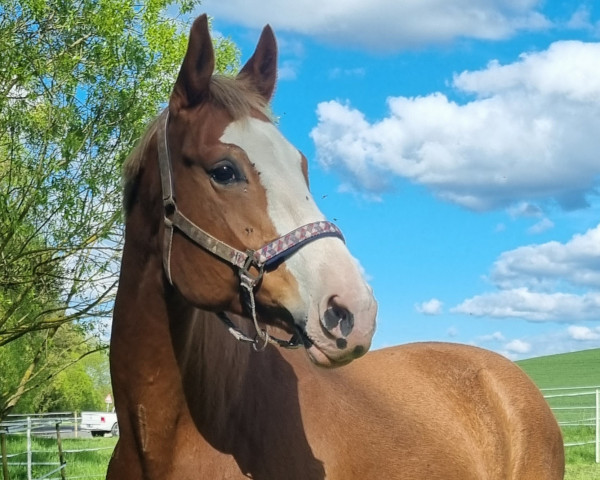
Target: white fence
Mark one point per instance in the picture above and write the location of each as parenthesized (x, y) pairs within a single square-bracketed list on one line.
[(44, 425), (577, 408)]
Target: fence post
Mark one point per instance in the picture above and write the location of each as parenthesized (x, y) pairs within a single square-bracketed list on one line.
[(61, 455), (598, 425), (76, 425), (29, 476), (4, 456)]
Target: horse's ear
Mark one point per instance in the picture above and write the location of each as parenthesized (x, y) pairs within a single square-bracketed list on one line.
[(197, 68), (261, 68)]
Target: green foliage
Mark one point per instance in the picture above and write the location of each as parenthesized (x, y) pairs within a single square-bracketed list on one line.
[(74, 383), (79, 80), (60, 382), (71, 390), (96, 367)]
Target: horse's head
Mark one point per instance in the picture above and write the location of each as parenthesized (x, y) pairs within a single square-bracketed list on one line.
[(236, 177)]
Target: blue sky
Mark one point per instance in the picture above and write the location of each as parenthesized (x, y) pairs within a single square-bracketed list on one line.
[(457, 145)]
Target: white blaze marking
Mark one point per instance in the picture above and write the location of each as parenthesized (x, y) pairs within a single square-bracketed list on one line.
[(289, 205)]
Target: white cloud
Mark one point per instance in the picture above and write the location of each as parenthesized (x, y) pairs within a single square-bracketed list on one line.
[(569, 339), (581, 19), (576, 262), (288, 70), (541, 226), (430, 307), (534, 306), (496, 336), (525, 209), (530, 134), (291, 47), (518, 346), (551, 281), (338, 72), (561, 71), (385, 24), (582, 333)]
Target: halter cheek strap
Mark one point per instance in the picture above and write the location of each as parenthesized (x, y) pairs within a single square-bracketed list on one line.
[(250, 264), (173, 218)]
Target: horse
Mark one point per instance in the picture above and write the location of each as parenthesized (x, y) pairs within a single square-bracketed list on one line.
[(237, 301)]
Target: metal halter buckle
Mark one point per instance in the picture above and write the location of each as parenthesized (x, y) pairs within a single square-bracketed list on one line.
[(247, 278)]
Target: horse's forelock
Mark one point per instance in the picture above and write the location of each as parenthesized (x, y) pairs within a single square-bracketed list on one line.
[(237, 96)]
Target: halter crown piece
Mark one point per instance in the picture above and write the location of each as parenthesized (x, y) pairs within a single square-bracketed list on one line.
[(250, 264)]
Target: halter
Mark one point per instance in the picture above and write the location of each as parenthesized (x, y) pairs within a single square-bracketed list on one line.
[(250, 264)]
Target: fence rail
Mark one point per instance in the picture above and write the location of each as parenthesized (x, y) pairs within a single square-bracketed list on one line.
[(582, 401), (40, 425)]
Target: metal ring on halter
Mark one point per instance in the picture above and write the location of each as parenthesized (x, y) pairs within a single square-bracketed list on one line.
[(265, 337)]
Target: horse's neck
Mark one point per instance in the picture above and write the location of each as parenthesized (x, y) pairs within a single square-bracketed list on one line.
[(162, 345), (161, 336), (215, 371), (244, 402), (170, 362)]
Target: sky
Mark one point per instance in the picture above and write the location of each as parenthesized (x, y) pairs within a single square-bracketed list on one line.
[(456, 143)]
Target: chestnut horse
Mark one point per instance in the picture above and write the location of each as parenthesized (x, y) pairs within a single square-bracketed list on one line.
[(220, 219)]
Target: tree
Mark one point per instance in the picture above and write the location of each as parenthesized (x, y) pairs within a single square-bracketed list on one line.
[(79, 80), (73, 385)]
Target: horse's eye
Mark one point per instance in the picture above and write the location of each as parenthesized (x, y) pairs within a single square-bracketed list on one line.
[(225, 174)]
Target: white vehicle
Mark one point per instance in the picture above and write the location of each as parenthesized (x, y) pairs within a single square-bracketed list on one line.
[(100, 423)]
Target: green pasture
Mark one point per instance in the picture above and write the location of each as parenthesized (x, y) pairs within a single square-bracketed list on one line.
[(577, 369)]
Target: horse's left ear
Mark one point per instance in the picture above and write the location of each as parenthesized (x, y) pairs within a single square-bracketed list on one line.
[(197, 68), (261, 68)]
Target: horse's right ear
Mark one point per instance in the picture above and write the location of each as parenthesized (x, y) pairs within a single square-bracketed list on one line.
[(197, 68), (261, 68)]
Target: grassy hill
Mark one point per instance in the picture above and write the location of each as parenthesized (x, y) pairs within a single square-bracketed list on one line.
[(577, 369)]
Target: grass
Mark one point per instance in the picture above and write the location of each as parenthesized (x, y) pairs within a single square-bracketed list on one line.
[(577, 369), (90, 465), (582, 472)]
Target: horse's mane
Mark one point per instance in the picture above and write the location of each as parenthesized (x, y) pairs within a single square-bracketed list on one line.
[(237, 96)]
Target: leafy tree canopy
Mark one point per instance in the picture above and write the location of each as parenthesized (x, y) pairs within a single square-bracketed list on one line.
[(79, 80)]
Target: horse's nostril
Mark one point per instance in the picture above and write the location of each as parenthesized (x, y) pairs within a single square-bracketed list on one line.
[(330, 319), (336, 317), (347, 323)]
